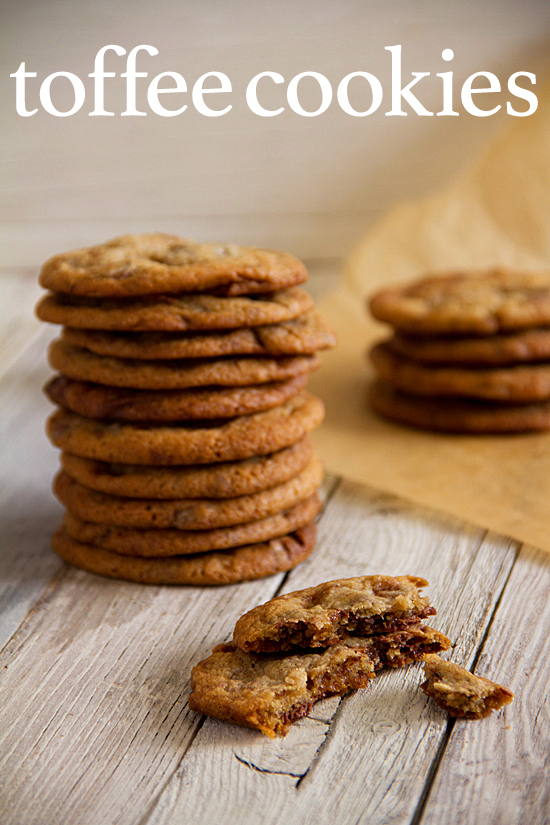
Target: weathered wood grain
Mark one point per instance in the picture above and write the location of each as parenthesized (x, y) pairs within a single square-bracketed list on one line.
[(28, 510), (371, 755), (19, 291), (499, 766)]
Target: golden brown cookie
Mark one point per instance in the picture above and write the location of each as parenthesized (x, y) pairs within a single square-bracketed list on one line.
[(461, 693), (304, 335), (269, 693), (493, 350), (330, 612), (520, 384), (157, 263), (186, 514), (188, 443), (239, 564), (100, 401), (479, 303), (226, 480), (83, 365), (174, 313), (160, 543), (457, 415)]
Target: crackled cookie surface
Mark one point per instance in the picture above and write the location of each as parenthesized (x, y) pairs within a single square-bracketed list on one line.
[(521, 383), (224, 480), (303, 335), (187, 514), (173, 313), (461, 693), (491, 350), (159, 263), (238, 564), (327, 613), (158, 543), (481, 303), (187, 443), (457, 415), (270, 692)]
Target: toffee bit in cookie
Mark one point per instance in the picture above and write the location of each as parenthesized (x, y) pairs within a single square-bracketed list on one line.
[(269, 693), (327, 613), (461, 693)]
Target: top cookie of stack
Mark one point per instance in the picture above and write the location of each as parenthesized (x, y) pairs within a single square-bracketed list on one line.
[(470, 352), (183, 419)]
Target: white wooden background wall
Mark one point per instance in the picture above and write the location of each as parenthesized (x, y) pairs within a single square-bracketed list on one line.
[(307, 184)]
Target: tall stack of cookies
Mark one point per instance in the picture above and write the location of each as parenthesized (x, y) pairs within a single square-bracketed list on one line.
[(470, 352), (183, 418)]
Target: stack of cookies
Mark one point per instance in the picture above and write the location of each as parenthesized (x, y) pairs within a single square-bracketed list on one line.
[(183, 417), (470, 352), (325, 640)]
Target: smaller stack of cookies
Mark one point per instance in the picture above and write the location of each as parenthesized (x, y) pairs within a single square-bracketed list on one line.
[(183, 418), (470, 352)]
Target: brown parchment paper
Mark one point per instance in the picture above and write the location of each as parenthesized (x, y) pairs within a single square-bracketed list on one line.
[(498, 213)]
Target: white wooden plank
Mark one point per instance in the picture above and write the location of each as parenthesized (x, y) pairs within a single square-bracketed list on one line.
[(500, 765), (19, 291), (373, 765)]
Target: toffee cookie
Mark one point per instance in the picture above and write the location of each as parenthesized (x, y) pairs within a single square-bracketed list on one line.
[(239, 564), (100, 401), (159, 263), (192, 443), (226, 480), (304, 335), (479, 303), (461, 693), (327, 613), (83, 365), (520, 384), (174, 313), (494, 350), (187, 514), (457, 416), (269, 693), (159, 543)]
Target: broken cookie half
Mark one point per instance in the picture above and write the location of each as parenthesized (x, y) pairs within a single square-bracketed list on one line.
[(461, 693), (328, 613), (269, 692)]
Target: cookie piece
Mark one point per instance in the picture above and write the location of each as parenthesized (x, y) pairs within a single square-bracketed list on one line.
[(158, 263), (186, 514), (330, 612), (304, 335), (174, 313), (519, 384), (254, 561), (269, 693), (481, 303), (457, 416), (188, 443), (83, 365), (461, 693), (495, 350), (226, 480), (114, 403), (160, 543)]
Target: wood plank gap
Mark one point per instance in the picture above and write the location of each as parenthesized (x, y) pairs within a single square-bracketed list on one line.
[(434, 768)]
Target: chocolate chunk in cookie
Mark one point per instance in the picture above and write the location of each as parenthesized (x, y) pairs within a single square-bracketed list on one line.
[(270, 692), (327, 613)]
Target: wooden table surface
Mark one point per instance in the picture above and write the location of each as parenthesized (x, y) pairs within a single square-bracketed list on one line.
[(95, 726)]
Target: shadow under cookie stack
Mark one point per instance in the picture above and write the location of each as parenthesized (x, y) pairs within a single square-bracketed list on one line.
[(470, 352), (183, 420)]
